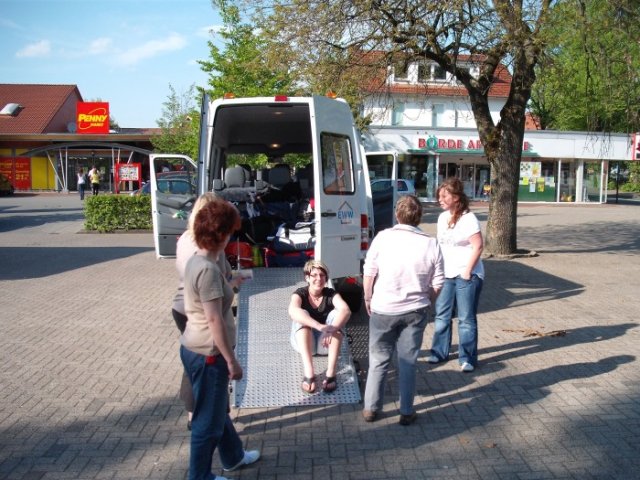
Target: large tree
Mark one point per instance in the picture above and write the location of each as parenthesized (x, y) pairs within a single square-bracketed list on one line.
[(328, 43), (589, 77), (239, 65), (179, 124)]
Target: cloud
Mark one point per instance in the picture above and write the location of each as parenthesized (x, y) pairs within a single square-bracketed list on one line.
[(99, 45), (152, 48), (209, 31), (38, 49)]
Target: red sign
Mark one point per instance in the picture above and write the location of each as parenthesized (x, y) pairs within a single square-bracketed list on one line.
[(18, 171), (92, 117)]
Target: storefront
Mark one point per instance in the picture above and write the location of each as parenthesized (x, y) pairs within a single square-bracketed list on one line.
[(555, 166)]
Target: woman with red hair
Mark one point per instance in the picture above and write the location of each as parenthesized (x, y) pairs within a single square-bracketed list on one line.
[(207, 344)]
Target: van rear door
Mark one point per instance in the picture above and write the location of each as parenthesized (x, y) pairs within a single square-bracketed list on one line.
[(173, 189), (338, 186)]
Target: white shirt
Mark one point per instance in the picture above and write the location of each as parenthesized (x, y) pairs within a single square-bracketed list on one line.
[(407, 265), (455, 245)]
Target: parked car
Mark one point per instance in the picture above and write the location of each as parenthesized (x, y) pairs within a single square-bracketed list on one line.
[(405, 187), (172, 183), (6, 188)]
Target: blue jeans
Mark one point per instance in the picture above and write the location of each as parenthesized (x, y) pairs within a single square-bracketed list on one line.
[(387, 333), (211, 425), (463, 295)]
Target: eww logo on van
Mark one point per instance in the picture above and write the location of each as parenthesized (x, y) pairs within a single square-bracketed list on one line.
[(345, 213)]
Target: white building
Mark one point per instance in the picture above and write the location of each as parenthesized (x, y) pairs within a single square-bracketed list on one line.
[(422, 122)]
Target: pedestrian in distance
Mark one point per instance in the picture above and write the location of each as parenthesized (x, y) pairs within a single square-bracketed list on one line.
[(94, 178), (319, 315), (81, 183), (460, 239), (207, 344), (403, 274)]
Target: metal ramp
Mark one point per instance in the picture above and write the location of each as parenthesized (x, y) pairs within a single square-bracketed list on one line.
[(272, 369)]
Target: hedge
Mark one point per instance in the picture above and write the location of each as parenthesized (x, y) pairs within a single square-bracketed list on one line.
[(111, 213)]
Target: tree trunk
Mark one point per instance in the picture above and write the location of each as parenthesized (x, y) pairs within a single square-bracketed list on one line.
[(502, 227)]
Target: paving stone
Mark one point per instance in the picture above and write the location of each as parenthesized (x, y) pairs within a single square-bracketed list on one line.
[(90, 378)]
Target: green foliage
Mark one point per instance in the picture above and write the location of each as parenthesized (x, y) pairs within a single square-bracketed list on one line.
[(588, 79), (180, 124), (240, 67), (108, 213)]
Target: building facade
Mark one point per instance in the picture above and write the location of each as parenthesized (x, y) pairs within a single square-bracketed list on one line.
[(42, 147), (424, 128)]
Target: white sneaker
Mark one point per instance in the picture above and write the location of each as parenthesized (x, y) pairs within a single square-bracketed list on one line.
[(433, 359), (250, 456), (467, 367)]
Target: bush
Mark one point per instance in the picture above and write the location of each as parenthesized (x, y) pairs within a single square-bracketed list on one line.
[(108, 213)]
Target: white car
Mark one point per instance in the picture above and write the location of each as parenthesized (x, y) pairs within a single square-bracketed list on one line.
[(405, 187)]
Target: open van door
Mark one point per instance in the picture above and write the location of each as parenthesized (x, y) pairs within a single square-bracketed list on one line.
[(173, 189), (338, 191), (384, 188)]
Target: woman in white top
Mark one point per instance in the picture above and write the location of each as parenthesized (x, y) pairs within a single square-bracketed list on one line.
[(460, 240), (81, 183)]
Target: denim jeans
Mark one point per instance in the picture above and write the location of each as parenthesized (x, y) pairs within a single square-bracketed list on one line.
[(388, 333), (211, 425), (464, 296)]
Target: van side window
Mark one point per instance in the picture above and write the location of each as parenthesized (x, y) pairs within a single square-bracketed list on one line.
[(337, 164)]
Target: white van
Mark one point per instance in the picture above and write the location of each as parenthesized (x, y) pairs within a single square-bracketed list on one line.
[(332, 192)]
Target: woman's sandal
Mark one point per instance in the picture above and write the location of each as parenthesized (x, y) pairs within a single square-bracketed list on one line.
[(329, 384), (308, 384)]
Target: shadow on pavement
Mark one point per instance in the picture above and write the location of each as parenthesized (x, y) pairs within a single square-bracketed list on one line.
[(36, 218), (509, 282), (19, 263)]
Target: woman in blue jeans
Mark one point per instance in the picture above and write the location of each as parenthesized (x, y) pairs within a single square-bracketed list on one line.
[(460, 240), (207, 344)]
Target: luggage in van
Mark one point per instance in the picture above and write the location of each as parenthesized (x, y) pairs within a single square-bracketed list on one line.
[(294, 238)]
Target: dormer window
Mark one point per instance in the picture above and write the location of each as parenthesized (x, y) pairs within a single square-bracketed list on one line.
[(401, 71), (431, 72)]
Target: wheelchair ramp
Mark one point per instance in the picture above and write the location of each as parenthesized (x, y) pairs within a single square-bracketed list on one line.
[(272, 369)]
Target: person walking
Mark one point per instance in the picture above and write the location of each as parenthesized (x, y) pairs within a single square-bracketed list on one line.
[(460, 239), (94, 178), (81, 183), (403, 274), (207, 344)]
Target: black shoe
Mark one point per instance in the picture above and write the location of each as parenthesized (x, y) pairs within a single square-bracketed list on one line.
[(369, 416), (408, 419)]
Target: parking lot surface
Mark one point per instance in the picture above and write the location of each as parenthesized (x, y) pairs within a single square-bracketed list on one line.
[(90, 367)]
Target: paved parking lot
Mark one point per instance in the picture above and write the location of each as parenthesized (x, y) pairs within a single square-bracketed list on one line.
[(90, 367)]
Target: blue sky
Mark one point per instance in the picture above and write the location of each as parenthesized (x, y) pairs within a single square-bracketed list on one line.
[(125, 52)]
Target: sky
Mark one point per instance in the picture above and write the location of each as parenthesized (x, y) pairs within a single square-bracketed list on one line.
[(125, 52)]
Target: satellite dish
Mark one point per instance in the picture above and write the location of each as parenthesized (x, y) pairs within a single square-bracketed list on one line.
[(72, 127)]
